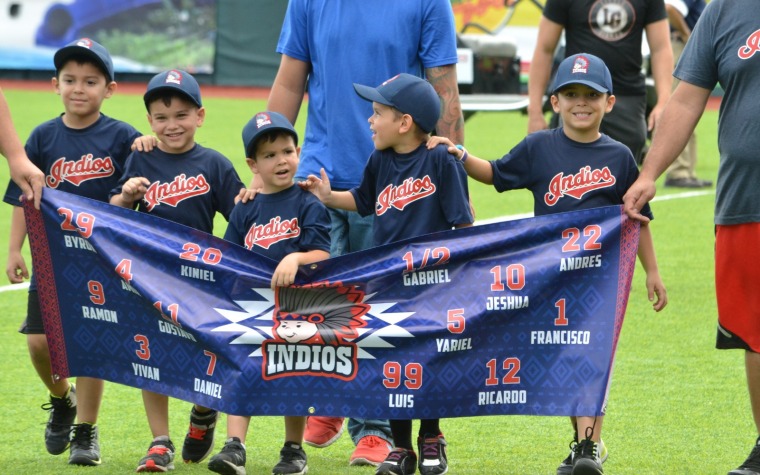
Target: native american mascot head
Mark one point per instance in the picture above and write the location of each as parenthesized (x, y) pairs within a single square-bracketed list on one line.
[(319, 312)]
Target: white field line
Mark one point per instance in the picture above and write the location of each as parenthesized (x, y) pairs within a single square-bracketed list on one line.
[(674, 196)]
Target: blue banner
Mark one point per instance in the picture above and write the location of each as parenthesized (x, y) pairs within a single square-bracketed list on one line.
[(516, 317)]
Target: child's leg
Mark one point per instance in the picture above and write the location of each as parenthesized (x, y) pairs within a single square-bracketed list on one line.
[(157, 412), (237, 426), (589, 426), (40, 356), (402, 433), (89, 396), (429, 428), (294, 428)]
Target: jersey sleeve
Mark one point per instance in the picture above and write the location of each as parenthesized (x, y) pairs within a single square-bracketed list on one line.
[(235, 232), (130, 170), (315, 225), (513, 170), (655, 12), (438, 40), (455, 198), (229, 187), (557, 11), (293, 39)]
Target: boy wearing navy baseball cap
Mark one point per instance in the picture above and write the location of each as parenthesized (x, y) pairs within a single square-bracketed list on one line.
[(290, 226), (83, 152), (184, 182), (570, 168), (411, 191)]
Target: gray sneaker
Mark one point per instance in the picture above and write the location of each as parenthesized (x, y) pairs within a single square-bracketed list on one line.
[(586, 459), (292, 460), (85, 448), (160, 457), (230, 460), (566, 467), (63, 413)]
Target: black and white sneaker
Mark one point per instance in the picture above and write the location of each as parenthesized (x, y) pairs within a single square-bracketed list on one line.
[(85, 447), (160, 457), (199, 440), (586, 459), (751, 466), (432, 452), (63, 413), (566, 466), (230, 460), (398, 462), (292, 460)]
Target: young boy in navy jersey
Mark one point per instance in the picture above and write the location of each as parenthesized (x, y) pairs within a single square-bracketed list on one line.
[(186, 183), (412, 191), (81, 152), (569, 168), (271, 150)]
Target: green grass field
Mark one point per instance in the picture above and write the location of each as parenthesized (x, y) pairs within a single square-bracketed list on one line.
[(677, 405)]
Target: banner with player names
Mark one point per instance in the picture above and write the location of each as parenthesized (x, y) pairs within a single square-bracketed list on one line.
[(515, 317)]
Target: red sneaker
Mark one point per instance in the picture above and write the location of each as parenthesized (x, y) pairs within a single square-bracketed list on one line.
[(322, 431), (371, 450)]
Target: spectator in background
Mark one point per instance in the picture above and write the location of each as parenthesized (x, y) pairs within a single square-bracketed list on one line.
[(329, 45), (683, 15)]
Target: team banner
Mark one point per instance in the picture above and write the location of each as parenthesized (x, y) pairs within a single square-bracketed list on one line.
[(516, 317)]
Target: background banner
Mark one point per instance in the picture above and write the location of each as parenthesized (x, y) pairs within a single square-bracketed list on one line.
[(516, 317)]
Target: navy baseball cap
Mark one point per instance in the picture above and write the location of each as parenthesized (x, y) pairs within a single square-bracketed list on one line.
[(89, 48), (583, 68), (410, 95), (175, 80), (262, 123)]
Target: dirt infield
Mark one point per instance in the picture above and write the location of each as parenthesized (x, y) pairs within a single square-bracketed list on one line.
[(138, 88)]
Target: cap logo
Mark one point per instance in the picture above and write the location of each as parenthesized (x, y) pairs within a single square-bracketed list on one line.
[(174, 77), (85, 43), (580, 65), (262, 120), (390, 80)]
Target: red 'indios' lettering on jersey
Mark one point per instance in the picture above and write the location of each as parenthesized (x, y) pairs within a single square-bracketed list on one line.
[(412, 189), (181, 188), (77, 171), (752, 46), (276, 230), (579, 184)]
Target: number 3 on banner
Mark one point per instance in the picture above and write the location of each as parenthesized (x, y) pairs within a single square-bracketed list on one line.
[(143, 347)]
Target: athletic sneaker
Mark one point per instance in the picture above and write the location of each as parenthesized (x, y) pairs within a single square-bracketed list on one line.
[(586, 460), (566, 467), (199, 440), (398, 462), (751, 466), (292, 460), (322, 431), (231, 459), (432, 452), (371, 450), (63, 413), (160, 457), (85, 448)]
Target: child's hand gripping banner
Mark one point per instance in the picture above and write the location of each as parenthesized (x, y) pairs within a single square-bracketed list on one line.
[(516, 317)]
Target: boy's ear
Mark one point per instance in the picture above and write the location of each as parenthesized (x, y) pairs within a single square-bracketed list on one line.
[(201, 115), (407, 123), (54, 82), (252, 165), (110, 89), (555, 103), (610, 102)]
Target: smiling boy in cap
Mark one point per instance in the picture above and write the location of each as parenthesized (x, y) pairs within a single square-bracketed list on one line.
[(412, 191), (184, 182), (81, 151), (573, 167)]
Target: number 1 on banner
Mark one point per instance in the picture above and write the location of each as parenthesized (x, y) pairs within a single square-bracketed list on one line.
[(440, 255)]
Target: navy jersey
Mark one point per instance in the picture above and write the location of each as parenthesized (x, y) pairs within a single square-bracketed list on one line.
[(565, 175), (187, 188), (412, 194), (86, 162), (279, 224)]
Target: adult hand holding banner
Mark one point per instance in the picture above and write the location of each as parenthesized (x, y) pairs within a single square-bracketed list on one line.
[(516, 317)]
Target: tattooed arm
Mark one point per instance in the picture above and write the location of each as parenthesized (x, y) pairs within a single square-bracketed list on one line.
[(451, 122)]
